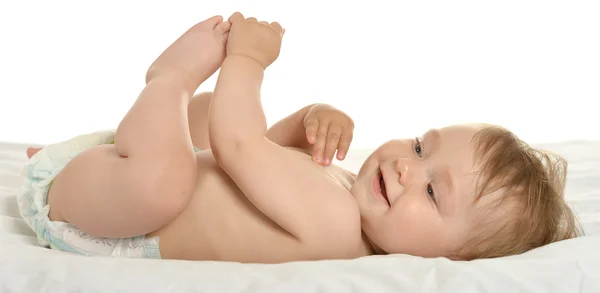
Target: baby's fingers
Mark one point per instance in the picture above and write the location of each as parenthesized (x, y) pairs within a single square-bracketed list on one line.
[(235, 17), (333, 139), (311, 130), (344, 145), (321, 140)]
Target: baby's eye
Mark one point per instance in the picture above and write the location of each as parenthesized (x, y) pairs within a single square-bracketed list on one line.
[(418, 149), (430, 192)]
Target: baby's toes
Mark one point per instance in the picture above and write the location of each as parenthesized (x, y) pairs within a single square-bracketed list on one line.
[(222, 30), (223, 27), (213, 21)]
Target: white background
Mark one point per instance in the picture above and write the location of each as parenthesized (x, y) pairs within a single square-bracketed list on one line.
[(396, 67)]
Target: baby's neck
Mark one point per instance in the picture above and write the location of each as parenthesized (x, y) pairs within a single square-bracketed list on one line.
[(370, 247)]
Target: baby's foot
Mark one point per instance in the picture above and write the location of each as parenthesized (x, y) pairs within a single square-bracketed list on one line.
[(32, 151), (195, 55)]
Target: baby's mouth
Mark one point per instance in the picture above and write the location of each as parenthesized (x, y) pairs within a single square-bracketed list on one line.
[(382, 186)]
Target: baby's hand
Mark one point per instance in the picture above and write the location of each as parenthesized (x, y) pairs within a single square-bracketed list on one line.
[(260, 41), (328, 129)]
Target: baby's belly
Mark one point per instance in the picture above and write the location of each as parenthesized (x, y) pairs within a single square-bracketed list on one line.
[(220, 223)]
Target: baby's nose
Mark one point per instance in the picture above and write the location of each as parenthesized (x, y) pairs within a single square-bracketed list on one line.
[(401, 167), (407, 169)]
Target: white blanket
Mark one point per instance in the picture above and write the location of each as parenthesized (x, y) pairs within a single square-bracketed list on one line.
[(568, 266)]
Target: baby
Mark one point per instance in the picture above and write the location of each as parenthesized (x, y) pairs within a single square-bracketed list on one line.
[(202, 178)]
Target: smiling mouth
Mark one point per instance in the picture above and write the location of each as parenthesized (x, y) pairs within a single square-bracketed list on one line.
[(382, 188)]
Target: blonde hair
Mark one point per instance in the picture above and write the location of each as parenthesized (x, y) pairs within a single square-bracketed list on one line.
[(531, 183)]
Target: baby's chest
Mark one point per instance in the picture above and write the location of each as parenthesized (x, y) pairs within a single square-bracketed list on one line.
[(232, 226)]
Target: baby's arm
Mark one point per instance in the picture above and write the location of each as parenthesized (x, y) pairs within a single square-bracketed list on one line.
[(236, 116), (290, 131), (283, 186)]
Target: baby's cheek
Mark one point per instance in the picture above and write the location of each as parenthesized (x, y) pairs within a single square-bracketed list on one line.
[(415, 217), (411, 208)]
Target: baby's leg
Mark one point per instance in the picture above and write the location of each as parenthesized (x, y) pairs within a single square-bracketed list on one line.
[(146, 178), (32, 151), (198, 119)]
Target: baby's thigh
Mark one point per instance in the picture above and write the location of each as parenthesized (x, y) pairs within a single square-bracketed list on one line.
[(106, 195), (54, 202)]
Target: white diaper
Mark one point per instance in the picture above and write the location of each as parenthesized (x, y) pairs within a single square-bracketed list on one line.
[(38, 173)]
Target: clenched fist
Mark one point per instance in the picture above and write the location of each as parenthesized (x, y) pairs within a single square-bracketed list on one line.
[(260, 41)]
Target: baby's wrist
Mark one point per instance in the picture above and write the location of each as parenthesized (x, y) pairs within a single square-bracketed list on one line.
[(244, 58)]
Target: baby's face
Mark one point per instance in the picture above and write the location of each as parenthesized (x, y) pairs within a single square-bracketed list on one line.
[(416, 195)]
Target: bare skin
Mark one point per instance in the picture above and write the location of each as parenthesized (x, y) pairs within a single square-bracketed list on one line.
[(205, 206), (236, 230), (255, 194)]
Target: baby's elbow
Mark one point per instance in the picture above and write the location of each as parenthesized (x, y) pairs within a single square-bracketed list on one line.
[(233, 151), (222, 149)]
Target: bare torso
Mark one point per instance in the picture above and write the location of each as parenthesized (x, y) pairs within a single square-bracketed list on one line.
[(220, 223)]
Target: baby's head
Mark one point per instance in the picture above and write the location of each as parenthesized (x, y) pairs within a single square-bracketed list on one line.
[(463, 192)]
